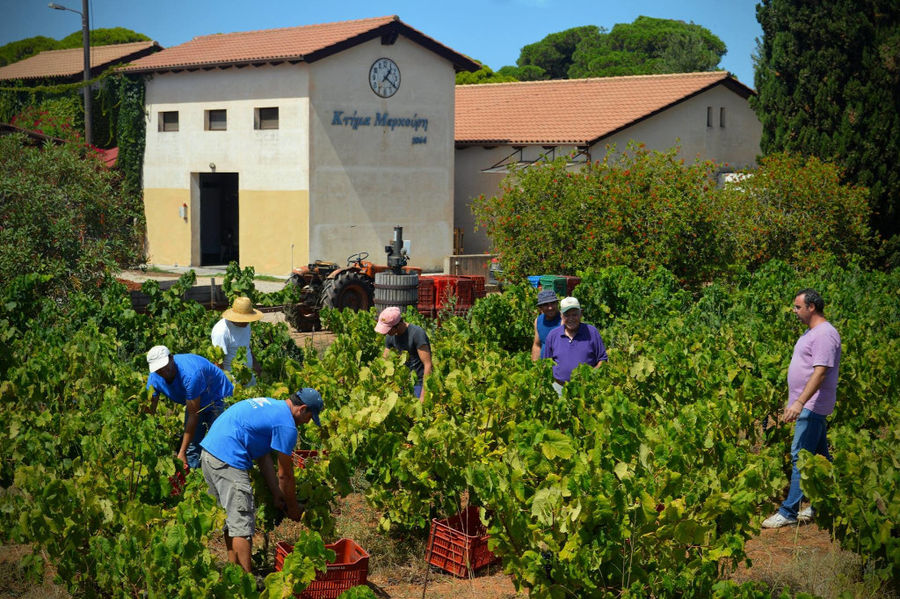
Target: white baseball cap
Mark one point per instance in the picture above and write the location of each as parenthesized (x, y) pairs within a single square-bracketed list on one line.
[(569, 303), (157, 357)]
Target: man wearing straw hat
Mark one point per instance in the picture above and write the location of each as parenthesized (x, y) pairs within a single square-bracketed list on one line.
[(233, 332)]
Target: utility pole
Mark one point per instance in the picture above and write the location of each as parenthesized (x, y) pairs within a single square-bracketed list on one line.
[(86, 44)]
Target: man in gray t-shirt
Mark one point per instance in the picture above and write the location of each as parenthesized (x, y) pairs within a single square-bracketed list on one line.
[(409, 338)]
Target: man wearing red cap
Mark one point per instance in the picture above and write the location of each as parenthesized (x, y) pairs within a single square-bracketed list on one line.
[(409, 338)]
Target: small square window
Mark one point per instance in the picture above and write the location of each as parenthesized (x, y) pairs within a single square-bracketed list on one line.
[(709, 116), (216, 120), (721, 116), (265, 118), (168, 120)]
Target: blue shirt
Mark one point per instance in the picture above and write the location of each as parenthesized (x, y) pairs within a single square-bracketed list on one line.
[(586, 347), (196, 377), (544, 326), (250, 429)]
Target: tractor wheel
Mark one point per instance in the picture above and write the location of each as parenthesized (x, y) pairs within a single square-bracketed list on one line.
[(348, 290)]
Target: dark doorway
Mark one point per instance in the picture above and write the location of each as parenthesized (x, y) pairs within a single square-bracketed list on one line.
[(218, 218)]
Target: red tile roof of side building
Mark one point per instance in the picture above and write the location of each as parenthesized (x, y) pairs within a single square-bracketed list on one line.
[(70, 63), (306, 43), (573, 111)]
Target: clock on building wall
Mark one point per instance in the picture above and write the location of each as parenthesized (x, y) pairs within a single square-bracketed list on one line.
[(384, 77)]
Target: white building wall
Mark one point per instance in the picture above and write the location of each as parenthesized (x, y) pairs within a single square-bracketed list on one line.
[(265, 159), (736, 144), (272, 165), (366, 178)]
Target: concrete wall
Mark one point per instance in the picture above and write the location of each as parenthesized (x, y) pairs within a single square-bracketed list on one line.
[(737, 144), (366, 177), (272, 165)]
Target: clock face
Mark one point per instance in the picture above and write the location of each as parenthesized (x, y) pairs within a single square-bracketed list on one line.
[(384, 77)]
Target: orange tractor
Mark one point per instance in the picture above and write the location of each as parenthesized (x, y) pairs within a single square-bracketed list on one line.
[(352, 286)]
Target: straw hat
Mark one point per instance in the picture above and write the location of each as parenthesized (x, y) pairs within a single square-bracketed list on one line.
[(242, 310)]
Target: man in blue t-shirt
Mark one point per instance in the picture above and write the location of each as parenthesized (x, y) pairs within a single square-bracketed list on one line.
[(249, 431), (573, 344), (546, 321), (195, 383)]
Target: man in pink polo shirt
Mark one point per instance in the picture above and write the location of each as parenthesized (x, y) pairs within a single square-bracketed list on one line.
[(812, 392)]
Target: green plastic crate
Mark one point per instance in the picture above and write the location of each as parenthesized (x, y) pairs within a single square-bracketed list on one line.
[(556, 283)]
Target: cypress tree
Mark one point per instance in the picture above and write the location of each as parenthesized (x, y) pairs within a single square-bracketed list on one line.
[(828, 79)]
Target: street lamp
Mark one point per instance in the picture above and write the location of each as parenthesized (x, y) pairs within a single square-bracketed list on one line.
[(86, 43)]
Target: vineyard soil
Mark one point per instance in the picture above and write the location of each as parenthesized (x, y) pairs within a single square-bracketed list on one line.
[(800, 558)]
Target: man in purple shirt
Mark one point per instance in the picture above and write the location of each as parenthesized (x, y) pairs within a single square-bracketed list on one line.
[(572, 344), (812, 389)]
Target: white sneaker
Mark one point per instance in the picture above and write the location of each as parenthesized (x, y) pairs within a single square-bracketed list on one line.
[(777, 521), (806, 514)]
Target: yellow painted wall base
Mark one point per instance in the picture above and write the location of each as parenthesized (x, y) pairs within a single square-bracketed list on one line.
[(168, 235), (270, 221)]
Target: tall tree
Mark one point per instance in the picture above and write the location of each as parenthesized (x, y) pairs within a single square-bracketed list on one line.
[(828, 79), (647, 46), (103, 37), (554, 52), (16, 51)]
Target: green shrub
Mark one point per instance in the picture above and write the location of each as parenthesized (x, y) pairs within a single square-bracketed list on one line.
[(644, 210), (63, 214), (648, 210), (795, 209)]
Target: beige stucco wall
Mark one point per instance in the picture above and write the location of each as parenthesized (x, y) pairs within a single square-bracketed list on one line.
[(272, 165), (365, 180), (736, 144), (171, 242), (278, 219)]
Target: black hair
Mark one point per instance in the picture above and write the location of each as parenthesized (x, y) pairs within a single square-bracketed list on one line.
[(296, 400), (811, 297)]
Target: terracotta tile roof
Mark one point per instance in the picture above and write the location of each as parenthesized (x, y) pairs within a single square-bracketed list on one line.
[(572, 111), (306, 43), (70, 63)]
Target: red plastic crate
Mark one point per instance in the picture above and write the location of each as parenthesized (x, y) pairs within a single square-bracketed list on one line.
[(459, 544), (478, 285), (301, 456), (426, 312), (444, 288), (350, 568), (426, 293), (571, 283), (465, 292)]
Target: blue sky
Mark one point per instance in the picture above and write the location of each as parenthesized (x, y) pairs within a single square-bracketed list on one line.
[(491, 31)]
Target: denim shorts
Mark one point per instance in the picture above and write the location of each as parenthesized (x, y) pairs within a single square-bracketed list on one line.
[(232, 489)]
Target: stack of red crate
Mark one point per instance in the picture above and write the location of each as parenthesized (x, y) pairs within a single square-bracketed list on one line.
[(444, 289), (426, 296), (465, 295), (571, 283), (478, 283)]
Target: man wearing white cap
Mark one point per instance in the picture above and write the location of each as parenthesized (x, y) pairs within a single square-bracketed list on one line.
[(573, 344), (409, 338), (233, 332), (197, 384)]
